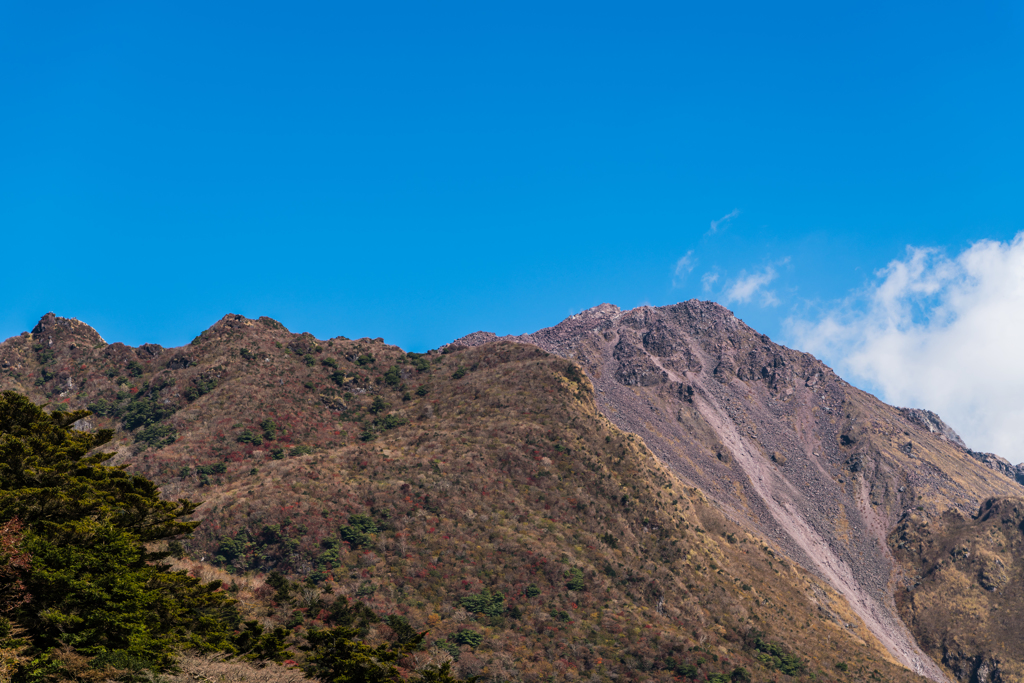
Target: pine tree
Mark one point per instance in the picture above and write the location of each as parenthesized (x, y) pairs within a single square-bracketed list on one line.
[(92, 584)]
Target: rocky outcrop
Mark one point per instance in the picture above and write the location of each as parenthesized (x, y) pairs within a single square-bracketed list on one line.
[(1001, 465)]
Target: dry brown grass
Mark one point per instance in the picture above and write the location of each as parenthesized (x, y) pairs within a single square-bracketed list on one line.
[(965, 587), (197, 668)]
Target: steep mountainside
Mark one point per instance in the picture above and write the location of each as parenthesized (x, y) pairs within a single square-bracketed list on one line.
[(786, 447), (965, 596), (477, 492)]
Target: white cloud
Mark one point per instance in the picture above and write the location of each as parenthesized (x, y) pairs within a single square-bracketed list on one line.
[(685, 264), (723, 220), (938, 333), (746, 286), (684, 267), (708, 280)]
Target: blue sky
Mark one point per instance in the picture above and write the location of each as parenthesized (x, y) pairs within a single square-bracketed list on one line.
[(420, 172)]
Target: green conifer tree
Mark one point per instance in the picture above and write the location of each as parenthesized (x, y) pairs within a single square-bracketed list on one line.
[(92, 584)]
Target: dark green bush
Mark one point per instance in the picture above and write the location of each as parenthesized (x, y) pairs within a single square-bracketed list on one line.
[(775, 656), (740, 675), (484, 602), (248, 436), (467, 637), (157, 435), (575, 580), (359, 530), (253, 643), (145, 411)]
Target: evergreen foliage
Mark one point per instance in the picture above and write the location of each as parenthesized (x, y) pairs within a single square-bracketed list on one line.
[(92, 585), (484, 602)]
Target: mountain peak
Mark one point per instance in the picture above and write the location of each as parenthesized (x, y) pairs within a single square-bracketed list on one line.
[(52, 329)]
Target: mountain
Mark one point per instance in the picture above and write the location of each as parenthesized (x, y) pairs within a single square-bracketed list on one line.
[(651, 492), (781, 443)]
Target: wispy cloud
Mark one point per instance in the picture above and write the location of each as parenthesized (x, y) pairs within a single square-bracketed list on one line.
[(743, 288), (939, 333), (684, 267), (723, 221), (708, 280)]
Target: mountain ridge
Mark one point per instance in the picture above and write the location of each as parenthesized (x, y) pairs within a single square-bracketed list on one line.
[(787, 449)]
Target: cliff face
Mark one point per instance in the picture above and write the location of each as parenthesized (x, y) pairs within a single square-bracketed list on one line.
[(779, 441)]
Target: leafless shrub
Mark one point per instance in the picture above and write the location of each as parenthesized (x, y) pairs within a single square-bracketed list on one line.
[(217, 669), (310, 597)]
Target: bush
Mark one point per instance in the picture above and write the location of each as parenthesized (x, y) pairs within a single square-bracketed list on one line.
[(740, 675), (484, 602), (390, 422), (422, 390), (100, 407), (143, 412), (201, 388), (269, 429), (774, 656), (532, 591), (459, 373), (253, 643), (467, 637), (158, 435), (393, 377), (379, 405), (247, 436), (359, 530), (575, 580)]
